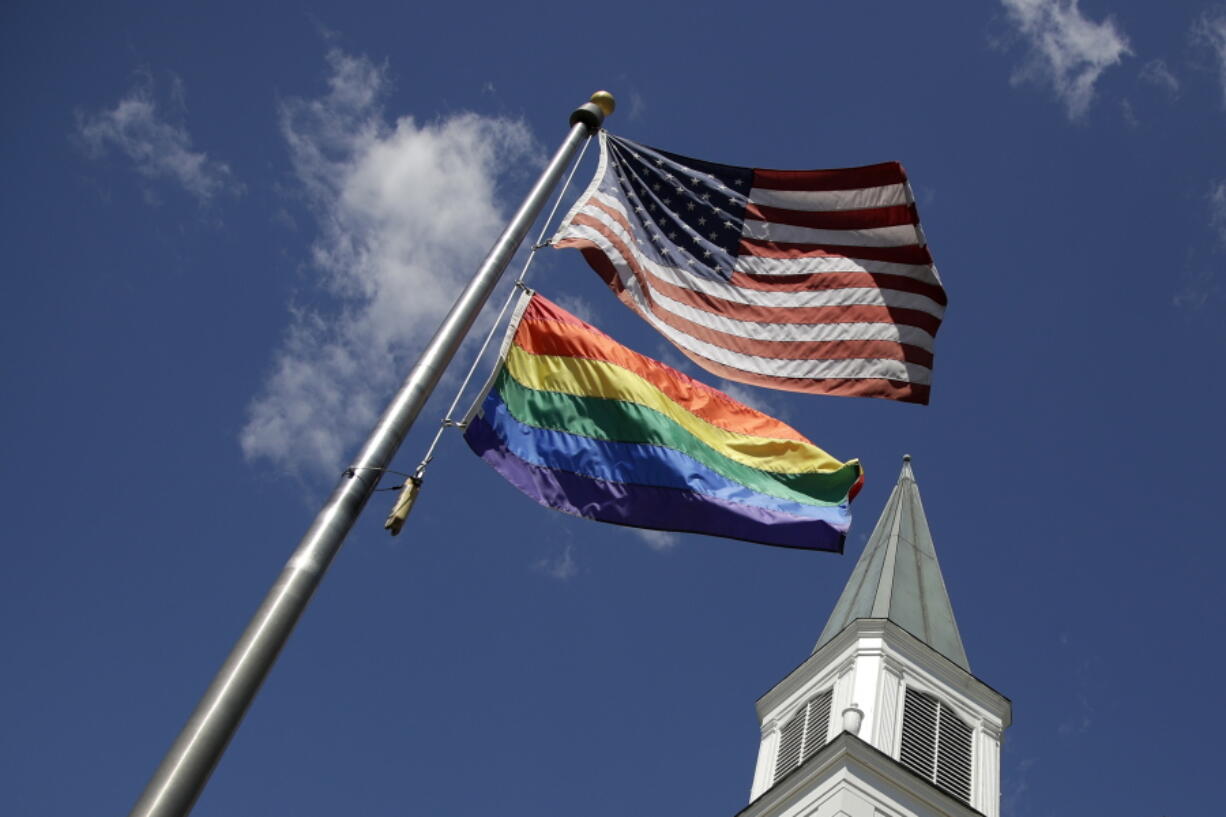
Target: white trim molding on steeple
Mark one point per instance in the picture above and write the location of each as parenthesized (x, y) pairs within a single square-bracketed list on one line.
[(884, 718), (852, 779)]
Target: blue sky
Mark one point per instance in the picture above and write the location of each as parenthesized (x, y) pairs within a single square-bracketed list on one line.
[(230, 227)]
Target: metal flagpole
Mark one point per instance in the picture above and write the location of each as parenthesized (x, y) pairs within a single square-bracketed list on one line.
[(186, 768)]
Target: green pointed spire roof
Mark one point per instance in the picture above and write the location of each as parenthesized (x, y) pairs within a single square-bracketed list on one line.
[(897, 577)]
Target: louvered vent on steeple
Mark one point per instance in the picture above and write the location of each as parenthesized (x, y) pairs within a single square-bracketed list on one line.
[(804, 734), (936, 744)]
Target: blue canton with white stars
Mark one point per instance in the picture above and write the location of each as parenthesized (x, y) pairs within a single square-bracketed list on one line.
[(688, 212)]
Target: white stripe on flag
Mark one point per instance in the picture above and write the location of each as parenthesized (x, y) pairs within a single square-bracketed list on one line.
[(760, 265), (902, 235), (817, 200)]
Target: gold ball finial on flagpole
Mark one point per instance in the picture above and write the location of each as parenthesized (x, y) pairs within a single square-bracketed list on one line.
[(605, 101), (593, 113)]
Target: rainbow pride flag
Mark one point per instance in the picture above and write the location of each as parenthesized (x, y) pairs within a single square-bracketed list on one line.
[(586, 426)]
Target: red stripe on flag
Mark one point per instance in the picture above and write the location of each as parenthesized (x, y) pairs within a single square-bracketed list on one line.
[(850, 178), (599, 262), (595, 223)]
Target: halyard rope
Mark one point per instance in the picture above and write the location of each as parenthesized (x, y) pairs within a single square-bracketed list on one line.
[(448, 421)]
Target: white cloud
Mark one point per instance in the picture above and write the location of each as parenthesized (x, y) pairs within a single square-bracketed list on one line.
[(1080, 722), (1199, 284), (759, 399), (1155, 72), (1195, 289), (638, 106), (157, 148), (658, 540), (405, 211), (580, 307), (667, 354), (1015, 785), (1067, 51), (1078, 713), (1217, 209), (562, 567), (1210, 30)]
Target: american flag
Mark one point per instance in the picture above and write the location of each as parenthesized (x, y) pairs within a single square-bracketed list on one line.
[(807, 280)]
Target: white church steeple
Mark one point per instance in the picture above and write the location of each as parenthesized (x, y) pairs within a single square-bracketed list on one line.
[(884, 719)]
